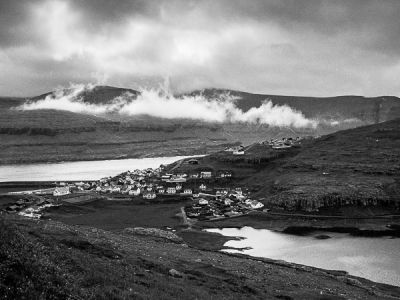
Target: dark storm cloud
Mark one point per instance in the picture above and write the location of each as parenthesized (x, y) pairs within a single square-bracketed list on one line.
[(311, 47)]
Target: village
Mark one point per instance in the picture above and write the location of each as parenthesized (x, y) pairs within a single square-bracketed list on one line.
[(212, 194), (209, 192), (210, 199)]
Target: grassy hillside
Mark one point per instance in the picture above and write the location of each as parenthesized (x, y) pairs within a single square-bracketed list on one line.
[(56, 135), (357, 167), (51, 260)]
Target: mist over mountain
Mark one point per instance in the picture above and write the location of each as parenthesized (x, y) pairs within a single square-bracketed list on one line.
[(225, 103), (109, 122)]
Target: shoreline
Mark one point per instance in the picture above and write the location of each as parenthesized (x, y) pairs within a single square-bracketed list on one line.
[(372, 226), (152, 258), (141, 156)]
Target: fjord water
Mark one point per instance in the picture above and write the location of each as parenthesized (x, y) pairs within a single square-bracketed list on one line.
[(377, 259), (79, 170)]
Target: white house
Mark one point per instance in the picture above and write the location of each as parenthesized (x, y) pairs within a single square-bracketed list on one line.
[(149, 195), (171, 190), (203, 201), (205, 174), (115, 189), (238, 152), (228, 201), (61, 191), (134, 192), (221, 192), (254, 204), (187, 191)]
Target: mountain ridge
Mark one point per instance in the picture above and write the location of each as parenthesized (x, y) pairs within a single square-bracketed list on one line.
[(45, 127)]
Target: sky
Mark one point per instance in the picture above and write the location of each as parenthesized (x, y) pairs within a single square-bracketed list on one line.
[(287, 47)]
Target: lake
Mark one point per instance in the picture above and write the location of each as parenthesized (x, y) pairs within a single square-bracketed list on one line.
[(377, 259), (79, 170)]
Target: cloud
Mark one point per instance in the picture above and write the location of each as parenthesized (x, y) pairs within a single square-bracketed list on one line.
[(162, 104), (310, 47)]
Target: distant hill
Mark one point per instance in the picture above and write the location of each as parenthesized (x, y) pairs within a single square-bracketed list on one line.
[(98, 95), (369, 110), (113, 135)]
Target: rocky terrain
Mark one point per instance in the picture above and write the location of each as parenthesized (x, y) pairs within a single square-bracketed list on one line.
[(57, 135), (52, 260)]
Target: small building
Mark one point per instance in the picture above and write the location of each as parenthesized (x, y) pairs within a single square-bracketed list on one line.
[(150, 195), (239, 191), (254, 204), (206, 174), (171, 190), (188, 191), (228, 201), (176, 179), (178, 187), (221, 192), (224, 174), (202, 187), (161, 191), (203, 201), (115, 189), (238, 152), (61, 191), (134, 192)]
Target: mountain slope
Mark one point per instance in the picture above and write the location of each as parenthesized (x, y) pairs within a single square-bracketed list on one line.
[(52, 135), (352, 168), (359, 166), (367, 109)]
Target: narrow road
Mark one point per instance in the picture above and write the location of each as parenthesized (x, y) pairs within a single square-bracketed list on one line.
[(184, 217)]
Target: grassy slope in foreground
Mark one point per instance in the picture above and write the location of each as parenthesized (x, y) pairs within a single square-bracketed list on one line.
[(51, 260)]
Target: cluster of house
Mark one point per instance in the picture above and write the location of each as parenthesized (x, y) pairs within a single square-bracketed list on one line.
[(225, 203), (30, 207), (148, 183), (238, 150), (283, 143)]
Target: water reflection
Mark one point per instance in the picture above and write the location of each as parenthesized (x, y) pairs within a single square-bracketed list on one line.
[(377, 259), (79, 170)]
